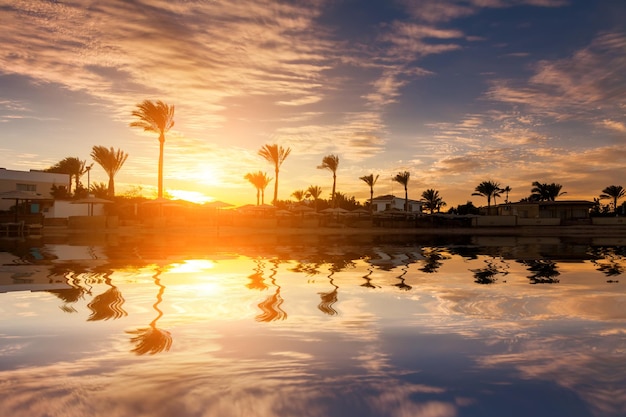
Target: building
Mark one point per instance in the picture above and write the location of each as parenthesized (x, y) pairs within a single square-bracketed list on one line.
[(564, 210), (33, 181), (391, 202)]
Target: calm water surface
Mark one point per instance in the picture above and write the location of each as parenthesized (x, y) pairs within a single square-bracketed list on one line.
[(360, 326)]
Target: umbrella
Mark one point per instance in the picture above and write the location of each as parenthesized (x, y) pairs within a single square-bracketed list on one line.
[(302, 209), (19, 195), (91, 200)]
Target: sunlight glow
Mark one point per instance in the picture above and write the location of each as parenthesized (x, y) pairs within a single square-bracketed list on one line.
[(191, 266), (193, 196)]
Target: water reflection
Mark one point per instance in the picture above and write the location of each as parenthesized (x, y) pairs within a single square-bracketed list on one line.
[(271, 307), (151, 339), (353, 327)]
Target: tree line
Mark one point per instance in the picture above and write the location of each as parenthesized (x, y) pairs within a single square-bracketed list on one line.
[(158, 117)]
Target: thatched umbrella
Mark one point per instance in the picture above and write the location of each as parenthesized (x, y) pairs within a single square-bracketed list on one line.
[(19, 195)]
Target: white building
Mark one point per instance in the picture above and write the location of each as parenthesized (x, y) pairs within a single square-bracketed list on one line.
[(32, 181), (390, 202)]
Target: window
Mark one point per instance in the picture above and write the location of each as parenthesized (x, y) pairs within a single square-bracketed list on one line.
[(26, 187)]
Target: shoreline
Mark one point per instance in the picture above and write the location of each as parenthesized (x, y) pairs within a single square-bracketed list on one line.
[(228, 231)]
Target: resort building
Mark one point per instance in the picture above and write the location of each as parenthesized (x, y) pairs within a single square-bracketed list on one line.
[(37, 182), (564, 210), (390, 202)]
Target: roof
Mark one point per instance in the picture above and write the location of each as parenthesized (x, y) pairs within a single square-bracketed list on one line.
[(390, 197)]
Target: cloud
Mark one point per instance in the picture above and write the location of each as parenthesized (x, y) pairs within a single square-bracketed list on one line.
[(439, 11), (576, 87)]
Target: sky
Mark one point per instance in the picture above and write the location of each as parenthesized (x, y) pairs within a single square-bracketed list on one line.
[(454, 91)]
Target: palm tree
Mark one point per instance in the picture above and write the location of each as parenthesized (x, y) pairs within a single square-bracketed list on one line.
[(156, 117), (299, 195), (71, 166), (506, 190), (260, 180), (615, 192), (545, 192), (489, 189), (99, 189), (275, 154), (371, 181), (403, 178), (111, 161), (432, 200), (331, 163), (314, 192)]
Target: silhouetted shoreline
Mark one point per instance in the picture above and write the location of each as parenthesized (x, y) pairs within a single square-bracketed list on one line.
[(548, 231)]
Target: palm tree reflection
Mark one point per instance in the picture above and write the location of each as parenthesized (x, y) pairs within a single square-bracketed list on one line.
[(329, 298), (107, 305), (152, 339), (403, 285), (368, 280), (543, 271), (271, 310), (433, 258), (487, 275), (257, 282), (609, 261)]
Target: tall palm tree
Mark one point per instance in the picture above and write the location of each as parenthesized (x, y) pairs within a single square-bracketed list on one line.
[(276, 155), (260, 180), (315, 193), (489, 189), (432, 200), (331, 163), (545, 192), (111, 161), (157, 117), (403, 179), (615, 192), (371, 181)]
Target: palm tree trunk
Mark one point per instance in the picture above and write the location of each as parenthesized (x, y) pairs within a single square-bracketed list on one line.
[(258, 193), (333, 193), (160, 181), (275, 186), (406, 199), (371, 200), (111, 190)]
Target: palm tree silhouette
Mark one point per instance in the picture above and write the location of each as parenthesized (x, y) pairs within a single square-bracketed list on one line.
[(72, 166), (314, 192), (157, 117), (489, 189), (615, 192), (403, 179), (275, 155), (152, 339), (111, 161), (506, 190), (331, 163), (260, 180), (432, 200), (370, 180), (545, 192), (299, 195)]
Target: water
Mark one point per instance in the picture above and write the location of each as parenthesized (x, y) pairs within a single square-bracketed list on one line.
[(318, 326)]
